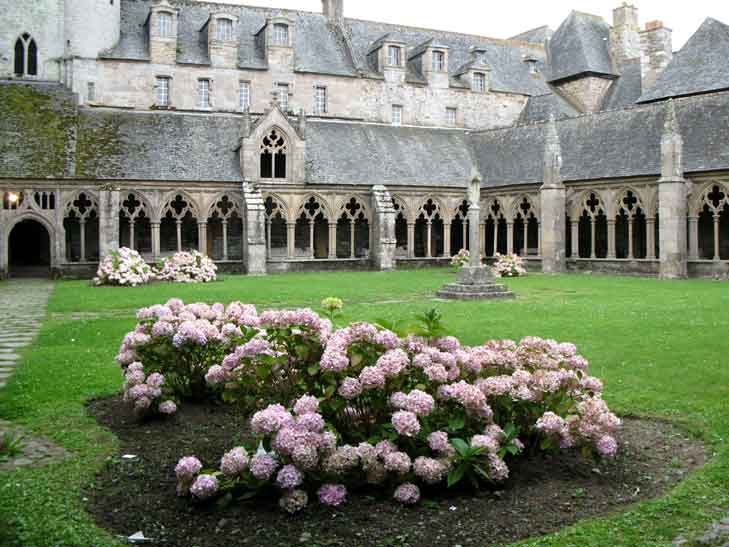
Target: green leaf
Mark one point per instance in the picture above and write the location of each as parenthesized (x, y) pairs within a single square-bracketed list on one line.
[(263, 372), (455, 475), (482, 472), (461, 446), (313, 370), (510, 430), (457, 423)]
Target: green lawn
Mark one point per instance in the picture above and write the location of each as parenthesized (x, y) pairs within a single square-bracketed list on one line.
[(661, 348)]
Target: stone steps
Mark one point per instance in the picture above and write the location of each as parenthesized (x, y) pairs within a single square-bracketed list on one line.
[(505, 295)]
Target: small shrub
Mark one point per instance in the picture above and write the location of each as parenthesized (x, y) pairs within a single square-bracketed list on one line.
[(123, 267), (362, 405), (187, 267), (11, 445), (509, 266), (461, 259)]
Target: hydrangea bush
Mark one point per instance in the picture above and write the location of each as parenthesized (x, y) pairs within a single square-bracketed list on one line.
[(123, 267), (509, 266), (362, 405), (461, 259), (187, 267)]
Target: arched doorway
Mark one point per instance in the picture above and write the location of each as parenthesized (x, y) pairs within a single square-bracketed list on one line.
[(29, 250)]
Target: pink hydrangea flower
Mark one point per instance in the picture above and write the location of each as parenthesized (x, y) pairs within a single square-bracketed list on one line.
[(407, 494), (406, 423), (289, 477), (306, 404), (262, 466), (350, 388), (398, 462), (332, 495), (234, 462), (187, 468), (167, 407), (204, 487), (293, 501)]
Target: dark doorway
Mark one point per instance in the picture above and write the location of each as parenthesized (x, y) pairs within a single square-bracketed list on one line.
[(29, 250)]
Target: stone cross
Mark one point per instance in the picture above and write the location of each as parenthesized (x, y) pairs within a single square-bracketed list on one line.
[(474, 220)]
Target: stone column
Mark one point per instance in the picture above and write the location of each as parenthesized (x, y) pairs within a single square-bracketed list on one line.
[(447, 239), (693, 226), (383, 241), (482, 239), (131, 234), (672, 201), (351, 239), (575, 226), (155, 240), (593, 237), (539, 240), (496, 237), (717, 234), (429, 252), (109, 203), (332, 240), (178, 224), (509, 237), (611, 238), (311, 237), (553, 197), (631, 224), (411, 240), (268, 239), (254, 226), (526, 238), (474, 247), (650, 232), (202, 237), (225, 239), (290, 239), (82, 233)]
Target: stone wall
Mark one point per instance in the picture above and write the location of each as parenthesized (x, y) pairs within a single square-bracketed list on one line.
[(586, 93)]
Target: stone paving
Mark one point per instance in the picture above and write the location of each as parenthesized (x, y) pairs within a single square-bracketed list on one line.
[(23, 307)]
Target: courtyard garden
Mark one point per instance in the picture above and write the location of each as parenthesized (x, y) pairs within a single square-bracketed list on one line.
[(658, 347)]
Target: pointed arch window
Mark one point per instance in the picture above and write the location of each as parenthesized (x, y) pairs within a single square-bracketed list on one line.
[(26, 56), (273, 155)]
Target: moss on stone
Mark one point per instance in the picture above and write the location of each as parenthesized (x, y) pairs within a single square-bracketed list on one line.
[(99, 146)]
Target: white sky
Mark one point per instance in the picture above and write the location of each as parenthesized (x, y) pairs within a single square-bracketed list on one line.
[(510, 18)]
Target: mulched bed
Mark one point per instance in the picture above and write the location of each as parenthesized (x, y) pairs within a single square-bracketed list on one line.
[(542, 495)]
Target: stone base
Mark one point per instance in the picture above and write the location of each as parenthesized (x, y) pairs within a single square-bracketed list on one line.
[(475, 283)]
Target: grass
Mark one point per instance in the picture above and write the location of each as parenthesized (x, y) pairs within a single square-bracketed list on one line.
[(661, 348)]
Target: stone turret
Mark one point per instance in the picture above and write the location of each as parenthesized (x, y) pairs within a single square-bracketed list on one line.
[(553, 195), (333, 9), (625, 34), (672, 200), (656, 43)]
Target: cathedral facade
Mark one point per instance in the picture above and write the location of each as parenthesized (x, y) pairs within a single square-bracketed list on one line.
[(280, 140)]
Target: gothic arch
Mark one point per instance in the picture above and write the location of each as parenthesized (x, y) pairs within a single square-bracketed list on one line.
[(700, 196), (324, 205), (43, 221), (26, 56), (624, 202), (215, 205), (274, 151), (132, 211), (170, 198), (81, 227)]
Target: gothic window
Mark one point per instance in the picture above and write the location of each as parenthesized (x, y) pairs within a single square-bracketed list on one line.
[(225, 230), (429, 231), (45, 200), (479, 82), (281, 34), (451, 116), (438, 61), (459, 228), (276, 230), (311, 232), (592, 230), (164, 24), (178, 226), (135, 229), (713, 224), (224, 29), (81, 224), (394, 56), (26, 56), (283, 96), (273, 155), (401, 227), (630, 227), (352, 230), (526, 229)]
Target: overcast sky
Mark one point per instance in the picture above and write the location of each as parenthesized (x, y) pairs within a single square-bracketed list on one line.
[(513, 17)]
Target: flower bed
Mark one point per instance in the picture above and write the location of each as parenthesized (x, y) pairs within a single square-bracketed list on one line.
[(123, 267), (461, 259), (509, 266), (362, 405), (187, 267)]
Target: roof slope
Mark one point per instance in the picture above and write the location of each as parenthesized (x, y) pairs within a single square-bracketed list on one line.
[(581, 44), (701, 65), (367, 154), (537, 35), (619, 143), (539, 108), (625, 91)]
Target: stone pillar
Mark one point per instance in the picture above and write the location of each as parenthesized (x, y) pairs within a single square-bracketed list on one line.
[(429, 251), (717, 234), (82, 233), (672, 201), (109, 203), (332, 240), (611, 238), (553, 197), (693, 226), (631, 224), (539, 240), (650, 232), (178, 224), (526, 237), (351, 239), (383, 240), (311, 237), (496, 236), (447, 239), (575, 225), (290, 239), (268, 239), (202, 236), (482, 239), (474, 247), (411, 240), (155, 240), (225, 239), (593, 237), (254, 226), (509, 237)]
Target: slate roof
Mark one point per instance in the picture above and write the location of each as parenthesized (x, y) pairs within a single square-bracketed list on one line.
[(539, 107), (625, 90), (702, 65), (580, 45), (367, 154), (535, 36), (613, 144)]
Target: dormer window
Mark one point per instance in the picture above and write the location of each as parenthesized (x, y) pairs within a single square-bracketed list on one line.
[(438, 61), (283, 96), (532, 63), (273, 155), (394, 56), (281, 34), (203, 93), (224, 30), (26, 56), (479, 82), (164, 24)]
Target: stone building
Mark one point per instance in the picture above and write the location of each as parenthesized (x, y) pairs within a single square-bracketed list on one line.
[(277, 140)]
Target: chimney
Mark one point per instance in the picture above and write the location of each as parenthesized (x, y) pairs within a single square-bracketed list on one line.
[(333, 9), (625, 34), (656, 44)]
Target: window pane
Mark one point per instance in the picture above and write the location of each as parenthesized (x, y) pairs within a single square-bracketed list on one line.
[(163, 91), (281, 34), (225, 30), (245, 95), (320, 103), (164, 25), (19, 57), (438, 61), (283, 96), (397, 115), (32, 58), (451, 115), (394, 56), (479, 82)]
